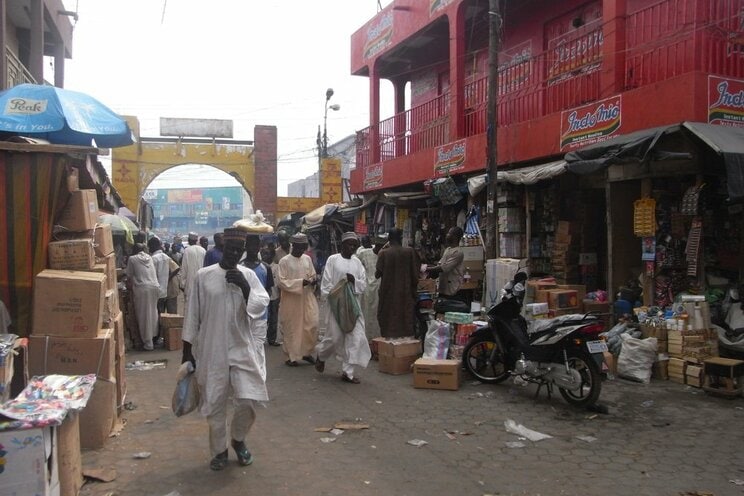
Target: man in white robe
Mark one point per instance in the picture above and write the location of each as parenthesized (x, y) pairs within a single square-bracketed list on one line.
[(220, 339), (143, 281), (192, 261), (367, 254), (298, 312), (350, 348)]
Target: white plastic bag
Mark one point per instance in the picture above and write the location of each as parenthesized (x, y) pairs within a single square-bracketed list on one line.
[(637, 358), (186, 396), (436, 344)]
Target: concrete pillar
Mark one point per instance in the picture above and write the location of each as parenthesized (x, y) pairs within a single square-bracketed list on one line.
[(399, 89), (36, 57), (59, 65), (374, 115), (457, 73), (3, 48), (264, 159)]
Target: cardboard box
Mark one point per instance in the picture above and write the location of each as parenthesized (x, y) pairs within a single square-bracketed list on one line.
[(73, 180), (694, 375), (30, 464), (172, 338), (103, 240), (170, 320), (120, 345), (660, 370), (396, 365), (68, 453), (402, 347), (563, 298), (98, 417), (72, 356), (426, 286), (75, 254), (68, 303), (611, 362), (111, 277), (535, 285), (579, 288), (600, 307), (429, 373), (81, 212)]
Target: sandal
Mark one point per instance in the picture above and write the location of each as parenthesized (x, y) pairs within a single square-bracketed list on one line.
[(352, 380), (219, 462), (319, 365), (291, 363), (309, 359), (244, 456)]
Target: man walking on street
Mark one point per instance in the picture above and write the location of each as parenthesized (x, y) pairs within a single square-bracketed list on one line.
[(192, 261), (219, 339), (397, 267), (351, 348), (298, 312), (142, 280), (263, 272), (214, 254)]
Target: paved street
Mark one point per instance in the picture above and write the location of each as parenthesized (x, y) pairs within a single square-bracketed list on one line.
[(658, 439)]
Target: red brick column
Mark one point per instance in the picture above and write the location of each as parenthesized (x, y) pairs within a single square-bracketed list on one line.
[(264, 158)]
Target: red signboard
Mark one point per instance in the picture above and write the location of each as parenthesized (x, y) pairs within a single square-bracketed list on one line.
[(373, 176), (185, 196), (450, 158), (573, 54), (725, 101), (379, 35), (591, 123)]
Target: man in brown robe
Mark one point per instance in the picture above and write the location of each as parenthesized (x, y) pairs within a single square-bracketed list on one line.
[(398, 269)]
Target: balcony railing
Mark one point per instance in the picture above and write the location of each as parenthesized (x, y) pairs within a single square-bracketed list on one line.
[(16, 72), (663, 40)]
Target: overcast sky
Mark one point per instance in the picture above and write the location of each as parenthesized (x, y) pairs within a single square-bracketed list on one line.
[(254, 62)]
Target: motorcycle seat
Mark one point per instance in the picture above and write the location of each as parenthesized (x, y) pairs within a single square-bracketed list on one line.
[(444, 305)]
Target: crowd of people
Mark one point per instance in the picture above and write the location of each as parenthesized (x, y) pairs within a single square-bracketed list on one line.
[(249, 291)]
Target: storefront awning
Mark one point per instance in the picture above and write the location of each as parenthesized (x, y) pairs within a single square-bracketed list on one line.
[(643, 146), (523, 175)]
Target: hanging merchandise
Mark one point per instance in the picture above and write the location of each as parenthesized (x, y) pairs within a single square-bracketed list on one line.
[(690, 200), (693, 247), (644, 217), (446, 190)]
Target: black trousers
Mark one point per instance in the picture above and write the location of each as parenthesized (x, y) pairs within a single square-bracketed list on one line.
[(273, 321)]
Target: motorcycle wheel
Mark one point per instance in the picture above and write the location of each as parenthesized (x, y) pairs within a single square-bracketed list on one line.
[(476, 357), (591, 382)]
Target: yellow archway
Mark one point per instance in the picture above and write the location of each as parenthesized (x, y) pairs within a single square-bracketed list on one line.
[(134, 167)]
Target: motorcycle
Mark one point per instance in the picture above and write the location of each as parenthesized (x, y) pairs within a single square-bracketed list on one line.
[(565, 352)]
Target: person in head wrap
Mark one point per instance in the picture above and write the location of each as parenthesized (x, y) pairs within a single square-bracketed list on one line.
[(192, 261), (142, 279), (350, 347), (220, 338), (298, 312)]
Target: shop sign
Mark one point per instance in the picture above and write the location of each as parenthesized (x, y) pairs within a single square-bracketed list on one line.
[(725, 101), (569, 58), (450, 158), (185, 196), (515, 71), (373, 176), (379, 35), (591, 123), (437, 5)]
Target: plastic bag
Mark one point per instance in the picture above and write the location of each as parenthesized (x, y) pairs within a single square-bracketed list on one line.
[(186, 396), (437, 341), (344, 306), (636, 359)]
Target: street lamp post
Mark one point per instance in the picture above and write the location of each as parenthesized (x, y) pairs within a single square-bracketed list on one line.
[(323, 143)]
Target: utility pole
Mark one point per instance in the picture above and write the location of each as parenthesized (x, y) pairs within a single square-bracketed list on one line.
[(494, 46)]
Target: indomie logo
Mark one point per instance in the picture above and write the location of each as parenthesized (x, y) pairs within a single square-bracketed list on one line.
[(590, 124), (725, 101), (379, 35), (450, 158)]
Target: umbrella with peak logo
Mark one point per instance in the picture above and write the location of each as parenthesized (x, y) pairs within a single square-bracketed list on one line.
[(61, 116)]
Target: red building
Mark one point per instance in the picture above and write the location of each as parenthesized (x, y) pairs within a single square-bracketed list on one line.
[(650, 63), (572, 73)]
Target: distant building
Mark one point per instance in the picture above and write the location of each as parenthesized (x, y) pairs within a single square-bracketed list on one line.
[(346, 151), (201, 210)]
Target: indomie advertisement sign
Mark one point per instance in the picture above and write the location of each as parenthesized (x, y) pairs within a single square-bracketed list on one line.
[(379, 35), (450, 158), (725, 101), (373, 176), (591, 123)]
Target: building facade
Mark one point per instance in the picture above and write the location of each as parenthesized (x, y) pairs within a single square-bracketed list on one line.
[(29, 31), (309, 187)]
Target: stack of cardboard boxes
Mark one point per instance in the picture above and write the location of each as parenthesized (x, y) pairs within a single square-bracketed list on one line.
[(77, 324), (562, 299), (396, 356), (566, 248)]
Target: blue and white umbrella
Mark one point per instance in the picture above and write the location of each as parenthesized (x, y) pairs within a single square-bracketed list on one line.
[(61, 117)]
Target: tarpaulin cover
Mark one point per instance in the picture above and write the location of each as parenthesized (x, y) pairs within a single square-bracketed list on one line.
[(524, 175), (641, 146)]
